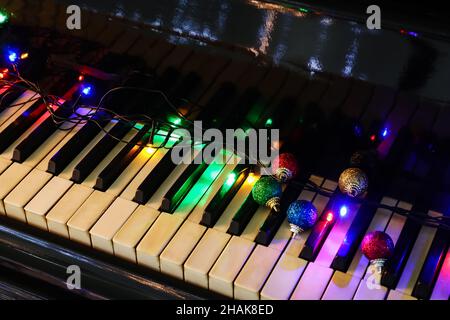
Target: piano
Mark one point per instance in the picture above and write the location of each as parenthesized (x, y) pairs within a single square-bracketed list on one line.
[(90, 194)]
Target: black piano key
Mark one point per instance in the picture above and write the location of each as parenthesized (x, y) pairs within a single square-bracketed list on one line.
[(154, 180), (128, 153), (39, 135), (395, 265), (224, 196), (75, 145), (85, 167), (243, 216), (21, 124), (274, 220), (9, 96), (432, 265), (319, 233), (354, 235), (183, 185)]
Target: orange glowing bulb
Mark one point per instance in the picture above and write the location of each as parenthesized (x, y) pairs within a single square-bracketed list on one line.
[(251, 178)]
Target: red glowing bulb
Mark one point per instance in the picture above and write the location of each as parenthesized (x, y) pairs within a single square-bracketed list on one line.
[(80, 77), (330, 216), (372, 137)]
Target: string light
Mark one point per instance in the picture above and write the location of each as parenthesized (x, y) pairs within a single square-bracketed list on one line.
[(12, 56), (343, 211), (330, 216), (4, 17), (165, 135), (86, 90), (24, 56)]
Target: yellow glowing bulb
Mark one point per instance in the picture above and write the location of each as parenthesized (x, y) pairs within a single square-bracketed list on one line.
[(251, 178), (24, 55)]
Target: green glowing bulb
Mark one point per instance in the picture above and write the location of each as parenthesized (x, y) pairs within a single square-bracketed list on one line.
[(303, 10), (231, 179), (3, 17), (269, 122)]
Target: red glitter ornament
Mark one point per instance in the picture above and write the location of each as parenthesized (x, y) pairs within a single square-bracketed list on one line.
[(285, 167), (377, 245)]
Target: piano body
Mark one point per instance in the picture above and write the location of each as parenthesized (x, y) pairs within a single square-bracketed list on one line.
[(139, 227)]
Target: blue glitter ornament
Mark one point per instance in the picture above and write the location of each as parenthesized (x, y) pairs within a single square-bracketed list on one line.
[(267, 192), (302, 215)]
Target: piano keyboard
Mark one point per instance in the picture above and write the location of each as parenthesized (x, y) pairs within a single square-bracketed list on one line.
[(109, 198)]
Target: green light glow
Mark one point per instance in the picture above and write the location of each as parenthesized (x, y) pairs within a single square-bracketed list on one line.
[(138, 126), (303, 10), (199, 189), (231, 179), (3, 17), (175, 120), (269, 122)]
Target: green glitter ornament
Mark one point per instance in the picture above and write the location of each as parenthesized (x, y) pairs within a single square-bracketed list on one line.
[(267, 192)]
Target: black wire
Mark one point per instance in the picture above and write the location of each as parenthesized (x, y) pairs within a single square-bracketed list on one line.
[(159, 124)]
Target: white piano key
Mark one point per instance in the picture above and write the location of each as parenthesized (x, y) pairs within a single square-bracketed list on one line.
[(255, 273), (8, 152), (416, 259), (441, 290), (313, 282), (9, 179), (370, 289), (109, 223), (156, 239), (283, 278), (65, 208), (130, 190), (19, 106), (130, 172), (342, 286), (44, 200), (289, 268), (129, 235), (91, 180), (68, 170), (24, 192), (179, 248), (397, 295), (149, 249), (46, 151), (196, 215), (204, 256), (87, 215), (229, 264), (251, 230), (4, 164), (225, 219)]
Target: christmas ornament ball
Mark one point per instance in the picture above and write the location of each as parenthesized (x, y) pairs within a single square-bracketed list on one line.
[(377, 245), (353, 182), (301, 215), (267, 192), (285, 167)]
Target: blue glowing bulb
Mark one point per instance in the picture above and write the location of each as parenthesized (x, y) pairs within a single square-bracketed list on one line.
[(12, 56), (87, 91), (343, 211), (385, 133)]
